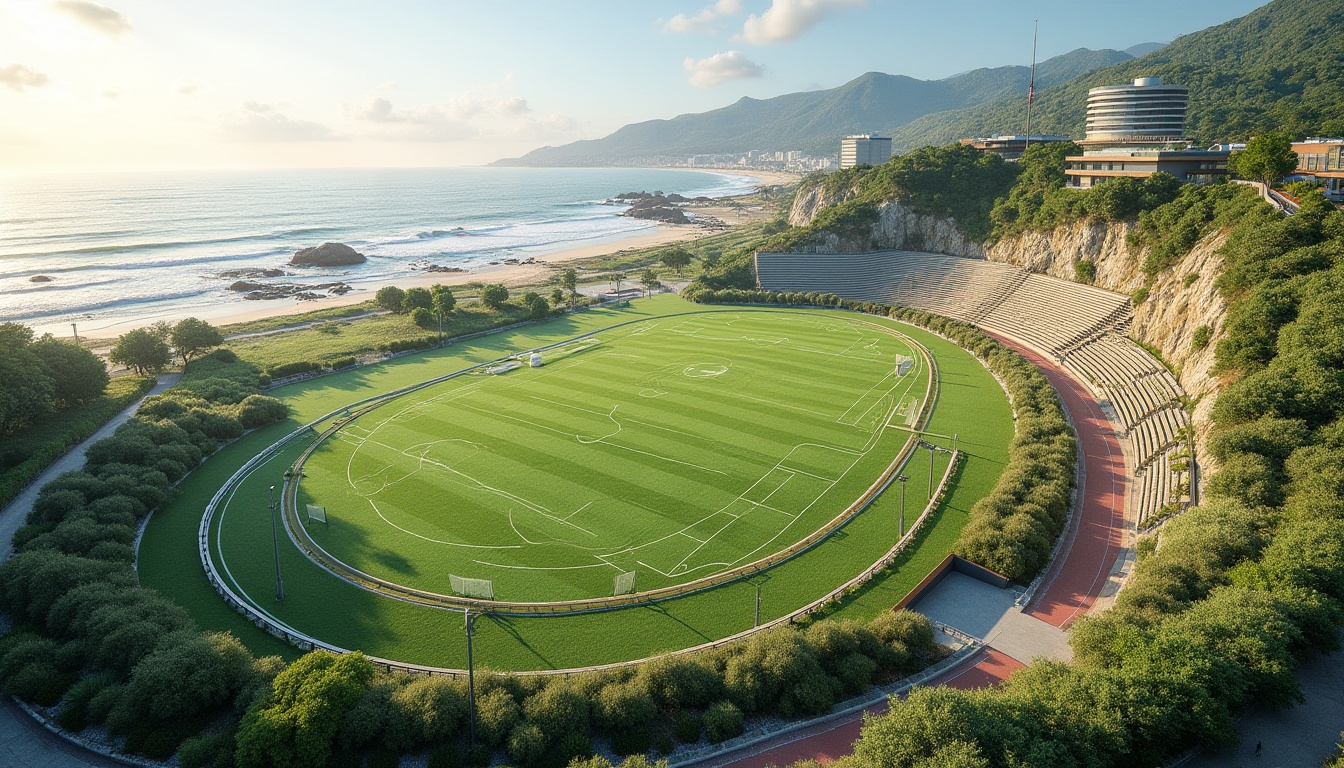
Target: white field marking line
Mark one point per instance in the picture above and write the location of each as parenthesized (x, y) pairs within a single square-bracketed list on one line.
[(692, 538), (628, 420), (577, 511), (520, 533), (618, 568), (541, 567), (497, 491), (610, 415), (772, 509), (380, 514), (914, 373), (779, 404), (664, 574), (864, 396), (602, 440)]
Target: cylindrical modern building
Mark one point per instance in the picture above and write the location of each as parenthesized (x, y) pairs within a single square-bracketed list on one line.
[(1145, 112)]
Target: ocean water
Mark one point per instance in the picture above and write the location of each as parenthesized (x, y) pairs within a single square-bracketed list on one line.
[(123, 247)]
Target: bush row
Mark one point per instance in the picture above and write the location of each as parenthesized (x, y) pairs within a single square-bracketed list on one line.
[(325, 709), (84, 632), (1011, 530)]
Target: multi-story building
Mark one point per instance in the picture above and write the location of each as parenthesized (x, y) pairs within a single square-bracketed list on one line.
[(1322, 160), (864, 149), (1138, 130)]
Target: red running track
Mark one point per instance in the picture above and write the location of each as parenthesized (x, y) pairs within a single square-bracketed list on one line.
[(1094, 538), (1069, 588)]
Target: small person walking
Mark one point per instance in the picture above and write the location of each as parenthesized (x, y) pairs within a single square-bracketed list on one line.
[(1259, 747)]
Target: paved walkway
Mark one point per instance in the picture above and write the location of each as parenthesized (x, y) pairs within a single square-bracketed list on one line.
[(23, 742), (991, 615)]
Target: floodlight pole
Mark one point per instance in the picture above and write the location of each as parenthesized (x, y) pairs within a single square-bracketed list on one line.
[(901, 529), (758, 604), (471, 679), (275, 542)]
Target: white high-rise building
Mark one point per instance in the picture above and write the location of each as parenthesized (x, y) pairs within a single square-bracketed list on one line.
[(864, 149)]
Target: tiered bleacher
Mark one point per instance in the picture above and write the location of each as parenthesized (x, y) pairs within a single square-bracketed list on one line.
[(1082, 327)]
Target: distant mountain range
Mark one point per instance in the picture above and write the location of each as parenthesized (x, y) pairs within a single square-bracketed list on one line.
[(814, 121)]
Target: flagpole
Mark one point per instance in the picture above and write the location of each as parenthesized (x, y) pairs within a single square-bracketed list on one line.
[(1031, 87)]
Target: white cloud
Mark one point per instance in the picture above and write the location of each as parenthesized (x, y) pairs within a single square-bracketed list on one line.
[(260, 122), (704, 19), (788, 19), (186, 88), (99, 18), (720, 68), (460, 117), (20, 78)]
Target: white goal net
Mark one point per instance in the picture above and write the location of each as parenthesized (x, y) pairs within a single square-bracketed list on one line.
[(482, 588), (317, 514), (904, 364), (625, 583)]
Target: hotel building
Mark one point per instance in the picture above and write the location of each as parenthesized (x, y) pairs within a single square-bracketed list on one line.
[(864, 149), (1322, 160)]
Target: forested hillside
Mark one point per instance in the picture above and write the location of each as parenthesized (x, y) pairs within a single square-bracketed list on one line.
[(813, 121), (1280, 67)]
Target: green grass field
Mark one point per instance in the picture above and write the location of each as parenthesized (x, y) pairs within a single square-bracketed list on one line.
[(673, 448), (970, 404)]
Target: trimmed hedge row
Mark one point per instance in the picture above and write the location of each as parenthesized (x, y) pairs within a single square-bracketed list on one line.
[(1012, 530)]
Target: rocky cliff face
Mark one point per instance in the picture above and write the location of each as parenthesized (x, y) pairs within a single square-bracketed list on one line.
[(1181, 301)]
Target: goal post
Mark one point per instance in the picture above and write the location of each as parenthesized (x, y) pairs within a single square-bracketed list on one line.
[(317, 514), (625, 583), (903, 364), (480, 588)]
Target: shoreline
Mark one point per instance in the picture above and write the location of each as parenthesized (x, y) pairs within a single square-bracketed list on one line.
[(511, 275)]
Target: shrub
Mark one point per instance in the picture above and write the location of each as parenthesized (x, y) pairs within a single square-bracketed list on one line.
[(285, 370), (424, 318), (1203, 334), (723, 721), (1085, 271)]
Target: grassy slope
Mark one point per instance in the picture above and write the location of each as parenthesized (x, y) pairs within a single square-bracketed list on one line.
[(971, 405)]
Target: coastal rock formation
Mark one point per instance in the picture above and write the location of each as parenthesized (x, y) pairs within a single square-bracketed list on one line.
[(247, 273), (327, 255), (263, 292), (657, 208), (39, 279)]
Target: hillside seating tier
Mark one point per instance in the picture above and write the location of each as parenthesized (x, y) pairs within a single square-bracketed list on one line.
[(1082, 327)]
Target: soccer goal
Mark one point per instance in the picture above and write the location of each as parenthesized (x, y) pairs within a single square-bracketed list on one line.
[(625, 583), (317, 514), (481, 588), (904, 364), (911, 407)]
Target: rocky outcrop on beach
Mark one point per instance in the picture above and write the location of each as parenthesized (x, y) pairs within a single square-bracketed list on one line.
[(39, 279), (267, 291), (236, 274), (658, 209), (328, 255)]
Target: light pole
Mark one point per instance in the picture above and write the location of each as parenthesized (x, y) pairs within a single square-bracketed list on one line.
[(901, 529), (757, 585), (471, 679), (275, 542)]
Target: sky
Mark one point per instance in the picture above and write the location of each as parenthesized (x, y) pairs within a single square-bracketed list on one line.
[(119, 85)]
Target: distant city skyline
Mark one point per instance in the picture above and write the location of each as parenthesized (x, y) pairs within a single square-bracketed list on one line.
[(152, 85)]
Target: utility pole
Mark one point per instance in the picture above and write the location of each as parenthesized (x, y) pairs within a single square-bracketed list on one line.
[(757, 585), (471, 679), (75, 328), (275, 542), (1031, 87)]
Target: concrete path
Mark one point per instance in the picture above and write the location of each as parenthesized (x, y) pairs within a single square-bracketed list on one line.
[(990, 614), (1300, 737), (24, 743), (13, 515)]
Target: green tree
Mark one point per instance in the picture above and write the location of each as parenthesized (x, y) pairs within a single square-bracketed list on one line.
[(192, 336), (417, 298), (295, 724), (77, 374), (616, 278), (141, 350), (444, 300), (557, 296), (1266, 158), (537, 306), (390, 297), (649, 279), (676, 259), (494, 295), (26, 391)]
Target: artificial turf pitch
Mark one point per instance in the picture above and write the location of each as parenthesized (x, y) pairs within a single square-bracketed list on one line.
[(970, 404), (674, 448)]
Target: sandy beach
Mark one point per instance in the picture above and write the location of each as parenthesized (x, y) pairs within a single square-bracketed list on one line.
[(727, 210)]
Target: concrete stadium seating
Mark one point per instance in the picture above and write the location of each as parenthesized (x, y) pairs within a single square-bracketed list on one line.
[(1082, 327)]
